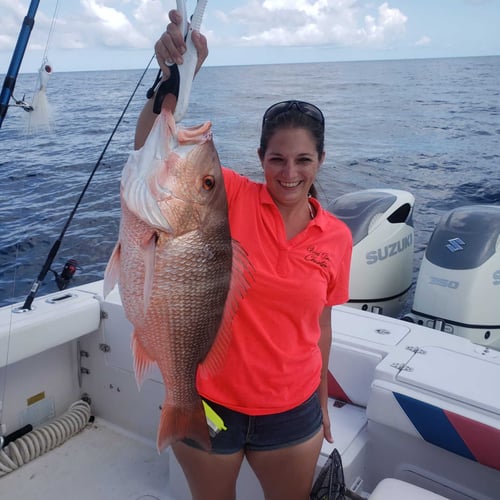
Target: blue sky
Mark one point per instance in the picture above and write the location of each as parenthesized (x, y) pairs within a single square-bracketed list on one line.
[(119, 34)]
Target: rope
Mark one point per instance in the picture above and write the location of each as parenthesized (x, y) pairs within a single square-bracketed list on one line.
[(43, 439)]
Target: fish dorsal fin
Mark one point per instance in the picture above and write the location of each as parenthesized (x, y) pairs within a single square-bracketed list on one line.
[(241, 277)]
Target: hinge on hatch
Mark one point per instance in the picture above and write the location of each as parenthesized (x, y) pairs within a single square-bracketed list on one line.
[(415, 349), (402, 367)]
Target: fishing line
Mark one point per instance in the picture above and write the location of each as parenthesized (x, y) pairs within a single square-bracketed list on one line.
[(51, 31), (55, 247)]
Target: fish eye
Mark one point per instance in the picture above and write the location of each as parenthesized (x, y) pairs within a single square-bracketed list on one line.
[(208, 182)]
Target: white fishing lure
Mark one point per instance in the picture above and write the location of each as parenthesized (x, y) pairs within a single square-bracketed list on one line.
[(41, 116), (188, 67)]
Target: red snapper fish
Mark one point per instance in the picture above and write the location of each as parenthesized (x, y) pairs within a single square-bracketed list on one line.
[(180, 274)]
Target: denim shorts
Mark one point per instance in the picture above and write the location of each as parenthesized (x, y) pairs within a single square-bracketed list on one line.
[(265, 432)]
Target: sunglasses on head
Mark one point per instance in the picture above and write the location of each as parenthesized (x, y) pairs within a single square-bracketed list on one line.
[(304, 107)]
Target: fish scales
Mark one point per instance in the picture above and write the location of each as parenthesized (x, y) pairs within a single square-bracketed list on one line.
[(193, 279), (135, 232)]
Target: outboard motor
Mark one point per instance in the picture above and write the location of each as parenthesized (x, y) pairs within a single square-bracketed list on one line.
[(458, 286), (382, 259)]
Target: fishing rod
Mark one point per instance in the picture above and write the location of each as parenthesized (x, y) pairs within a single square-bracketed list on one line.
[(71, 266), (16, 60)]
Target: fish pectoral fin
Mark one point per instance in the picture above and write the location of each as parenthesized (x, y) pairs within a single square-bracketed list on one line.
[(180, 422), (241, 278), (112, 272), (149, 255), (142, 362)]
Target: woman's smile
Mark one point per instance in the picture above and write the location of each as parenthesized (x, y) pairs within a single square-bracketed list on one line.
[(290, 185)]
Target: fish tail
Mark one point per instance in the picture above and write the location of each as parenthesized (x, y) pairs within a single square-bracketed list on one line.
[(181, 422)]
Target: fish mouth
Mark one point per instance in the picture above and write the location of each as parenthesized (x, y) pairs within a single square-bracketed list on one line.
[(192, 136)]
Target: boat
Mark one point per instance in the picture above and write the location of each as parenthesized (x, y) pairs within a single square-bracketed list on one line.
[(415, 410), (414, 399)]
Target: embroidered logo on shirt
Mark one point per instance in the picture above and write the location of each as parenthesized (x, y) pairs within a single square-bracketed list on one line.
[(317, 257)]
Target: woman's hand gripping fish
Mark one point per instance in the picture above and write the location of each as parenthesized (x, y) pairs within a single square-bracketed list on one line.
[(180, 275)]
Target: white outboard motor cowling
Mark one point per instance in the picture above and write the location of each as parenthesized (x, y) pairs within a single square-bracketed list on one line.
[(381, 224), (458, 286)]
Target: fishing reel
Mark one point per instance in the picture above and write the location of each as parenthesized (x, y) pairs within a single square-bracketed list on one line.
[(21, 103), (64, 279)]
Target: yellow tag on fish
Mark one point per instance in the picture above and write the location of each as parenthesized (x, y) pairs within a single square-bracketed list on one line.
[(214, 421)]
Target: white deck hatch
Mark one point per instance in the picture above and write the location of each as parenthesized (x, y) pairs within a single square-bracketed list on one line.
[(467, 379), (367, 327)]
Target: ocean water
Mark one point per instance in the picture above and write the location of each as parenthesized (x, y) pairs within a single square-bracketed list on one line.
[(431, 127)]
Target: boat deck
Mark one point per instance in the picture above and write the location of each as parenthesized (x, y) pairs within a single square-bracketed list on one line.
[(101, 462), (105, 462)]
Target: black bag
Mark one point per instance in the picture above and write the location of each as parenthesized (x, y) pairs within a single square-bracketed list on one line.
[(329, 484)]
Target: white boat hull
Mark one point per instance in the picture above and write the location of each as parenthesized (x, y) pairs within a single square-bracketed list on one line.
[(386, 401)]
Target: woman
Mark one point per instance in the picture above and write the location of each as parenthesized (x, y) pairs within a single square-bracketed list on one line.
[(272, 390)]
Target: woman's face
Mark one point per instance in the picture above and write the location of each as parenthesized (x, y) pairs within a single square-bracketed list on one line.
[(290, 165)]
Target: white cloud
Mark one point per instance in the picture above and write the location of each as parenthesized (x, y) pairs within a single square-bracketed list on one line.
[(423, 41), (314, 22), (100, 23), (138, 23), (390, 22), (90, 23), (13, 14)]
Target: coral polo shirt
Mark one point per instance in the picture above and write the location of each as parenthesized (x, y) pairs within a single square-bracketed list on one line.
[(273, 362)]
